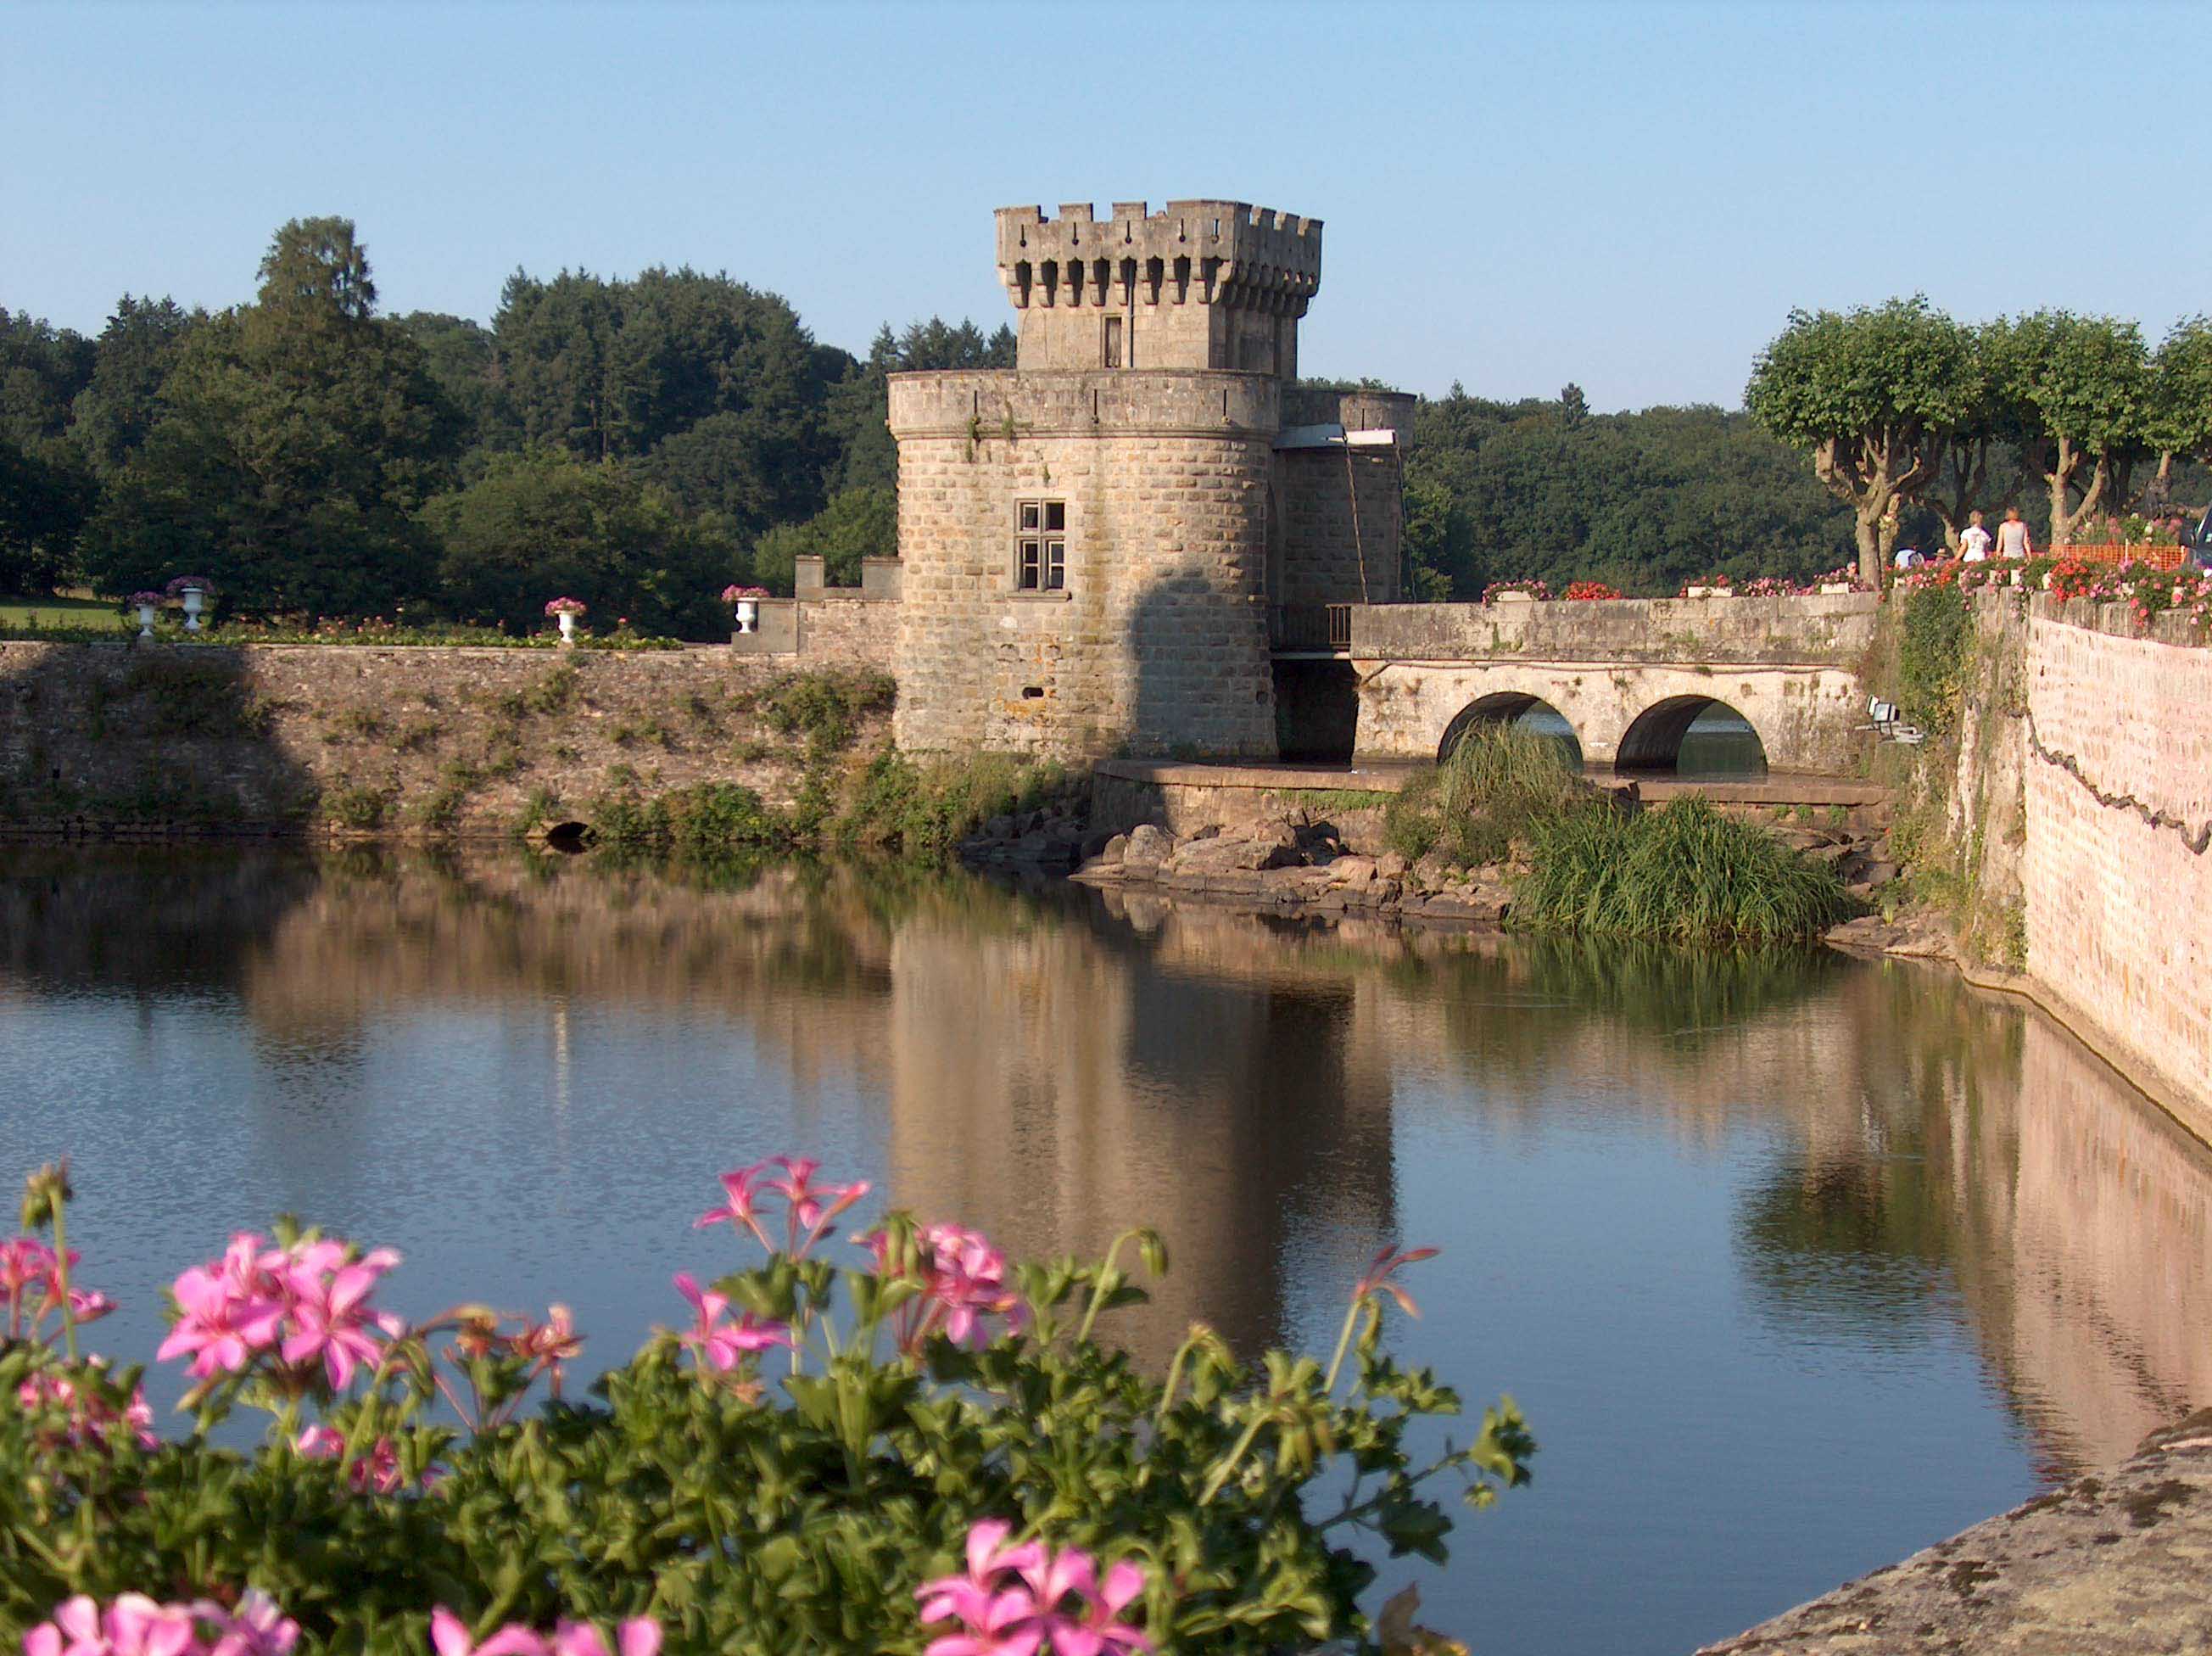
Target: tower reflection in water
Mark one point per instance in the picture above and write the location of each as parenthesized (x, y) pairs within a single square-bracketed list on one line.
[(1055, 1069)]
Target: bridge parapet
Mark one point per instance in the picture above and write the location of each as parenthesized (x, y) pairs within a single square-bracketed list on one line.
[(1833, 631), (1628, 675)]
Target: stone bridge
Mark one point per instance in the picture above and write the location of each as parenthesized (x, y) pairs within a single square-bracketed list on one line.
[(1629, 675)]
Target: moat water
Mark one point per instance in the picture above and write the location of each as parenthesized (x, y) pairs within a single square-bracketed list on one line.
[(1797, 1264)]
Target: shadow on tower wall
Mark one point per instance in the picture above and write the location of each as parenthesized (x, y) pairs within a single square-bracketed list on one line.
[(1201, 686)]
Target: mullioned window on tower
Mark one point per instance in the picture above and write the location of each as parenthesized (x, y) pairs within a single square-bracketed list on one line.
[(1041, 546)]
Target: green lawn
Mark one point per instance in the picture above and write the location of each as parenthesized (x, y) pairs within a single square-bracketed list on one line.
[(61, 613)]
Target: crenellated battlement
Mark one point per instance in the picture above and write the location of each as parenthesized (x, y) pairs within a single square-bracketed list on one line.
[(1203, 252), (1201, 284)]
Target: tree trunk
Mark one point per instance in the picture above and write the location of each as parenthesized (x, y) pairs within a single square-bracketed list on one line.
[(2063, 468), (1873, 553)]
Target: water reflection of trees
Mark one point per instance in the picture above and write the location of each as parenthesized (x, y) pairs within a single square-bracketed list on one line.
[(140, 919)]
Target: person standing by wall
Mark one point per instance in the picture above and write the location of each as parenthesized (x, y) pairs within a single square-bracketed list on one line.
[(1974, 543), (2012, 535)]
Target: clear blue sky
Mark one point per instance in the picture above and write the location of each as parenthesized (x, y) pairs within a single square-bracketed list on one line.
[(1632, 197)]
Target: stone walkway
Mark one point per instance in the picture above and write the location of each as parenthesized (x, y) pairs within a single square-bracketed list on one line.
[(2118, 1563)]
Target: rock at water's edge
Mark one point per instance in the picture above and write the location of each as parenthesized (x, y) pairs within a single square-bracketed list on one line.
[(2113, 1564)]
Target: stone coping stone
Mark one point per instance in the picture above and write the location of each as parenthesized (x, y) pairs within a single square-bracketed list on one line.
[(2112, 1564), (1388, 775)]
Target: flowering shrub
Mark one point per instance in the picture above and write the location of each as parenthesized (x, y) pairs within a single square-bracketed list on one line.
[(1769, 585), (732, 594), (922, 1450), (2148, 590), (1709, 583), (1587, 592), (2133, 530), (565, 606), (147, 600), (1536, 589)]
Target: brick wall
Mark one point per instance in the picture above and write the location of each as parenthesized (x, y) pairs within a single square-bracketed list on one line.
[(278, 736), (2116, 873)]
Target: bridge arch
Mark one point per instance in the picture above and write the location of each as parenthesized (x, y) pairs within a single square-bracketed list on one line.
[(1714, 736), (1510, 707)]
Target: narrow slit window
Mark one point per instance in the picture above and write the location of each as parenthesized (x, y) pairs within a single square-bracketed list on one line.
[(1112, 342)]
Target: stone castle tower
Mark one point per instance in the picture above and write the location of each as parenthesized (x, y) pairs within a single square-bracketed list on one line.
[(1102, 545)]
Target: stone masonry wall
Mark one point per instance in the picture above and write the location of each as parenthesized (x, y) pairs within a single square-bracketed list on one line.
[(1332, 553), (851, 632), (1787, 665), (101, 737), (2116, 871), (1159, 640)]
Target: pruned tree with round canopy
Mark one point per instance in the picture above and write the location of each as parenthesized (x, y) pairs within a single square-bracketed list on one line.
[(1873, 394), (2086, 383), (2180, 426)]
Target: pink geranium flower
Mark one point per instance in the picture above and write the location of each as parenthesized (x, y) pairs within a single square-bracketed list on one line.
[(810, 1209), (813, 1205), (742, 1206), (1021, 1600), (376, 1469), (720, 1345), (967, 1283), (219, 1326), (450, 1637), (329, 1316), (89, 1419), (638, 1636), (1383, 1267), (308, 1302), (87, 1306), (134, 1625), (255, 1628)]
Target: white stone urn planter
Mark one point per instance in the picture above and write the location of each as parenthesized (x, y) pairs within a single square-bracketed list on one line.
[(145, 620), (567, 627), (748, 615), (193, 597)]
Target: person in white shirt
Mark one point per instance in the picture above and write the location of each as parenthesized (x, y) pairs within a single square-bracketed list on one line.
[(1974, 544), (1906, 558), (2012, 535)]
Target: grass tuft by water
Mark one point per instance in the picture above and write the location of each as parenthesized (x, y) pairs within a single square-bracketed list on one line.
[(1500, 782), (1684, 873)]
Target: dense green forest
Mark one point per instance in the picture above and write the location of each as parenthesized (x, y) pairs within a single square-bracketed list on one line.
[(1644, 502), (641, 443)]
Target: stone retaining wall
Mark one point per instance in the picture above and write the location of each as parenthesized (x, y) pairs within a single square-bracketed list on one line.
[(2116, 866), (104, 738)]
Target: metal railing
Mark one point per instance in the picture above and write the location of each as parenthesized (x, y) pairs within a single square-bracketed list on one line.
[(1309, 627)]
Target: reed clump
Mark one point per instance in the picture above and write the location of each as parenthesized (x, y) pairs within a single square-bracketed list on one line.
[(1500, 782), (1685, 874)]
